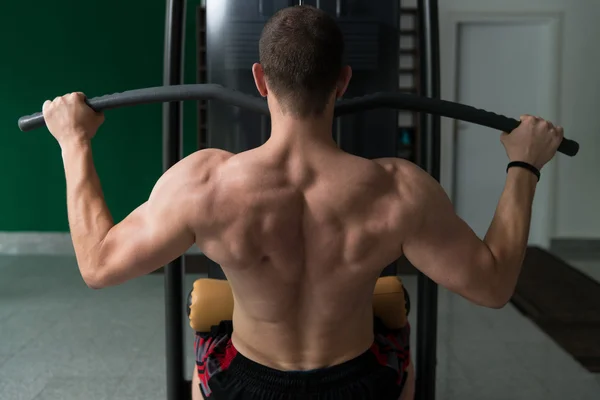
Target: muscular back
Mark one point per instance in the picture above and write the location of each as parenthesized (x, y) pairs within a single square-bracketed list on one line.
[(302, 235)]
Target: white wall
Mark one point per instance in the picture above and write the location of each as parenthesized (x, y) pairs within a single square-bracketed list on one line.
[(577, 210), (508, 88)]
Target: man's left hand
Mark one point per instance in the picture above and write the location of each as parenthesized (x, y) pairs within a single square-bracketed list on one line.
[(70, 119)]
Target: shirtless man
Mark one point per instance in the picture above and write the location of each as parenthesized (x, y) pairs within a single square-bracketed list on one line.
[(301, 229)]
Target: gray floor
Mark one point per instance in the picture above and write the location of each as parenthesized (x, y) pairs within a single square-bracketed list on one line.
[(61, 340)]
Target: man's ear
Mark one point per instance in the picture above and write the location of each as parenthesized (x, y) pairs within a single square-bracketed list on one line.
[(259, 79), (343, 81)]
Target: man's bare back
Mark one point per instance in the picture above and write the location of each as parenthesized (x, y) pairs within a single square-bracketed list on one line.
[(302, 232)]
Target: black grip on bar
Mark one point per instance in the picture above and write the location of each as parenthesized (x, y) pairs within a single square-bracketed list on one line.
[(161, 94), (404, 101), (443, 108)]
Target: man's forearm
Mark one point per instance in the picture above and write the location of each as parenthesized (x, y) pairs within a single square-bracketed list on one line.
[(89, 217), (509, 232)]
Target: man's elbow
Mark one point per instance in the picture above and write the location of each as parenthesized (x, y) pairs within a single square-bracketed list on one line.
[(94, 285), (497, 298), (490, 295), (498, 303), (94, 280), (497, 291), (95, 276), (94, 271)]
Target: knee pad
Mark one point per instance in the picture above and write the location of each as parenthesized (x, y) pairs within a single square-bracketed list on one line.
[(390, 302), (209, 303)]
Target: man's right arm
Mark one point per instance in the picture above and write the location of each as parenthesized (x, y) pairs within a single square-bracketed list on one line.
[(446, 249), (441, 245)]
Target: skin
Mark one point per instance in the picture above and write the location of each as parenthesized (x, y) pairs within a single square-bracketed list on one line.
[(301, 229)]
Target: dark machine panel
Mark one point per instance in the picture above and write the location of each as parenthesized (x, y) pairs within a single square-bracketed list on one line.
[(233, 30)]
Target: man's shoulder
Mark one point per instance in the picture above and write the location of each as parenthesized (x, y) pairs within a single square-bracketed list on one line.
[(413, 183), (400, 168), (209, 157), (201, 161), (193, 170)]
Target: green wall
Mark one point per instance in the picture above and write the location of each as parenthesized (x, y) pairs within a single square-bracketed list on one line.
[(98, 47)]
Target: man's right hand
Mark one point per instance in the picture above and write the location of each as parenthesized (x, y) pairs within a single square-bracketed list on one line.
[(535, 141)]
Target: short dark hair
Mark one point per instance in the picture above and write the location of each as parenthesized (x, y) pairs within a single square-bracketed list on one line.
[(301, 51)]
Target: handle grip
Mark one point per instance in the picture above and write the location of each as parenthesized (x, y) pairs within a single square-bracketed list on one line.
[(394, 100)]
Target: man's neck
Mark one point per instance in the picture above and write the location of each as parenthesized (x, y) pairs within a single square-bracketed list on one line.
[(290, 130)]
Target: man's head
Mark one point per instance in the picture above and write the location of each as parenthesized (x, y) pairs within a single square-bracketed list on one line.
[(301, 61)]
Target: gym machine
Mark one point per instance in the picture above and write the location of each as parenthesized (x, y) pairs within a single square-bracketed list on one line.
[(374, 110)]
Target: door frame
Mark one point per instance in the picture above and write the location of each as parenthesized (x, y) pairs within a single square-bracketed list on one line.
[(450, 24)]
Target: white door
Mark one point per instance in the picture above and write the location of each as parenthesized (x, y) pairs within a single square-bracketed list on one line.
[(507, 68)]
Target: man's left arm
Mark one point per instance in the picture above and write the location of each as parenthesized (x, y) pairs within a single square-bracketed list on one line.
[(151, 236)]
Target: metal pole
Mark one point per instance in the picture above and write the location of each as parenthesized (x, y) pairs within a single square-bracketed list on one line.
[(427, 295), (172, 153)]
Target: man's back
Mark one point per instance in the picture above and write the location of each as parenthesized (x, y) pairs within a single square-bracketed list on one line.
[(302, 232)]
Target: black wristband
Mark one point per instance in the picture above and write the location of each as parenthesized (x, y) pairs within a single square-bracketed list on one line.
[(525, 165)]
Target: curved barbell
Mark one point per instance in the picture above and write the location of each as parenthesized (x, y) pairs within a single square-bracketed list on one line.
[(395, 100)]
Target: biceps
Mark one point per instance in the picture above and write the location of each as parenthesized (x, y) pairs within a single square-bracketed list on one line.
[(144, 241)]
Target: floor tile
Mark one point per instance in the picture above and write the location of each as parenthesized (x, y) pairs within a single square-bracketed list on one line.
[(79, 388), (27, 388), (140, 389)]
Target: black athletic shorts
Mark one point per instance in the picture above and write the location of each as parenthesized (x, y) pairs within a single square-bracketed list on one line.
[(377, 374)]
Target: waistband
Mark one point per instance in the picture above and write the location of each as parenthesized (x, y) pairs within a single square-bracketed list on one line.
[(260, 376)]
